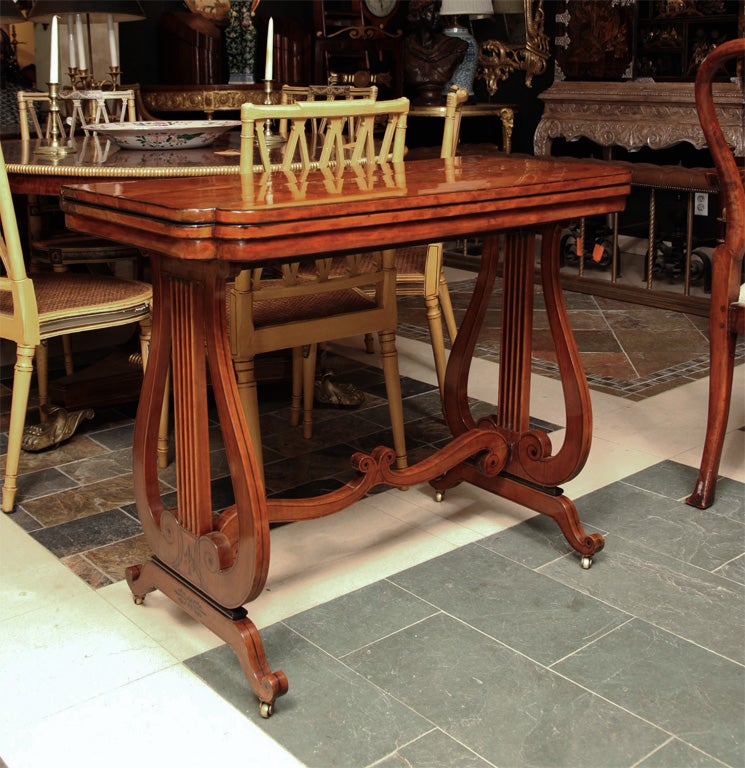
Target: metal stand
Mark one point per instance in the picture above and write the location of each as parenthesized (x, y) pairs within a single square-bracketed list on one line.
[(269, 135), (54, 148)]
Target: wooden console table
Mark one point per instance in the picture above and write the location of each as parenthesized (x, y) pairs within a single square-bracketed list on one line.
[(635, 114), (505, 113), (197, 231)]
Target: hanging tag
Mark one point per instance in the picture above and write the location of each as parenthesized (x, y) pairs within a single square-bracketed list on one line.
[(597, 253)]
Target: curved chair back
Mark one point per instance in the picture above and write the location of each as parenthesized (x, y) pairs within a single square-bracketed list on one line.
[(335, 146)]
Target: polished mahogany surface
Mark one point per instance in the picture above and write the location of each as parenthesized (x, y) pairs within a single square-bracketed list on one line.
[(198, 230), (93, 157), (423, 200)]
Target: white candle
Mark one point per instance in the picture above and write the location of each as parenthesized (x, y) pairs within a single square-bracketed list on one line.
[(71, 40), (81, 42), (269, 50), (112, 42), (54, 53)]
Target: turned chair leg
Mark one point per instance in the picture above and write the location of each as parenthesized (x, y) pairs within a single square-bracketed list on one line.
[(296, 399), (389, 359), (19, 403), (246, 381), (309, 380)]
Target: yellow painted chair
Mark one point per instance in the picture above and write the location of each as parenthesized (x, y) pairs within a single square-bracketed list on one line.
[(419, 269), (32, 311), (305, 307)]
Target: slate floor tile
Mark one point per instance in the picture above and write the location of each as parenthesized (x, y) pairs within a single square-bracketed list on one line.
[(671, 682), (690, 602), (509, 602), (87, 533), (331, 717), (360, 617), (433, 750), (734, 569), (533, 543), (665, 525), (504, 707), (676, 754), (667, 478)]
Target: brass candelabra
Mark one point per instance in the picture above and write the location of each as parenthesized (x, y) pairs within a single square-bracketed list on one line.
[(52, 145)]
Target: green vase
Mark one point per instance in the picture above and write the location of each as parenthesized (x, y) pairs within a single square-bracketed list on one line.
[(240, 42)]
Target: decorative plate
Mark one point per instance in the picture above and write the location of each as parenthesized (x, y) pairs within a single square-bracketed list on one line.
[(164, 134)]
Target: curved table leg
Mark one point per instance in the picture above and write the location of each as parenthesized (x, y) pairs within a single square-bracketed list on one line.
[(532, 472), (232, 626), (207, 566)]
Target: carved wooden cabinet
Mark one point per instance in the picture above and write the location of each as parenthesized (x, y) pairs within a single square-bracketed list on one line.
[(673, 38), (634, 114)]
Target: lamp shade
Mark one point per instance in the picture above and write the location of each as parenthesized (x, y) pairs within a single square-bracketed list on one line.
[(466, 8), (10, 13), (98, 11)]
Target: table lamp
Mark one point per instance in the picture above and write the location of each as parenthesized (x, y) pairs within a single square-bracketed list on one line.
[(91, 11), (452, 11)]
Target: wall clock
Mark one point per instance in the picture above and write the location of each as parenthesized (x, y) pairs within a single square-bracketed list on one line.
[(379, 11)]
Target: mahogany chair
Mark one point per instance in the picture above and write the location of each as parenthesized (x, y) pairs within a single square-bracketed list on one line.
[(727, 309), (301, 307), (32, 311)]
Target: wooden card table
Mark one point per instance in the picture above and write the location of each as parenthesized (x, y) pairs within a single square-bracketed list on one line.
[(198, 231)]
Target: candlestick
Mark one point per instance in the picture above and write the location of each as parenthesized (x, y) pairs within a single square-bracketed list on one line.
[(53, 147), (71, 40), (54, 53), (270, 137), (112, 42), (81, 42), (269, 50)]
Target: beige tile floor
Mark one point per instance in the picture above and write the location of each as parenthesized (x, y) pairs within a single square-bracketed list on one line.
[(89, 679)]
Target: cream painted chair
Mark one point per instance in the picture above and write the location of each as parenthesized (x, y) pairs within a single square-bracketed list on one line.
[(727, 308), (291, 94), (419, 269), (303, 308), (32, 311), (51, 245)]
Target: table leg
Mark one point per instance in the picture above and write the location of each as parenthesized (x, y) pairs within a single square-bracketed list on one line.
[(210, 565), (532, 472), (507, 116)]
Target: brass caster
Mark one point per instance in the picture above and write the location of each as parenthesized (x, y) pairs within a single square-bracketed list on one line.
[(439, 496), (139, 600), (586, 562), (266, 708)]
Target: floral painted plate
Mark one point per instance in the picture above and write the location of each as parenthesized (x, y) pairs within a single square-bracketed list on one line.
[(164, 134)]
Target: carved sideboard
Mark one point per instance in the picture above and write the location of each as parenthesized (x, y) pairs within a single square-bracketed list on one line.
[(634, 114)]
